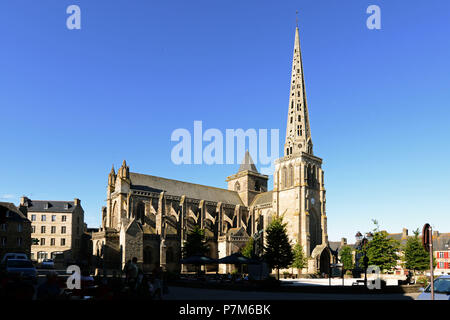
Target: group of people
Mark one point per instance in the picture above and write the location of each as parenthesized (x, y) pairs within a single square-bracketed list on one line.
[(151, 286), (236, 277)]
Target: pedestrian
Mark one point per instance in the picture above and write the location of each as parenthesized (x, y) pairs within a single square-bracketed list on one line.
[(50, 289), (157, 284), (132, 274), (125, 270), (146, 289)]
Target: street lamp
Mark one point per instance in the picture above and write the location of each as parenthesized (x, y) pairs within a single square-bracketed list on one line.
[(363, 241), (256, 245)]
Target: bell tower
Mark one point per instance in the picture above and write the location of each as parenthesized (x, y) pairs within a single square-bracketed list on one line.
[(299, 192), (247, 182)]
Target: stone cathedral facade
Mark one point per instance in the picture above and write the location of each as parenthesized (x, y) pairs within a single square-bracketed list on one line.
[(148, 217)]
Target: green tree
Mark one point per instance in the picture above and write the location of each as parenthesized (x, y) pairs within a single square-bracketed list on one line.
[(346, 254), (415, 257), (382, 250), (300, 261), (195, 243), (247, 250), (278, 252)]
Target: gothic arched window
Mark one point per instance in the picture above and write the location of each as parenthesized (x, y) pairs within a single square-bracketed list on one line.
[(147, 255), (170, 256), (284, 177), (140, 211), (291, 175), (237, 186), (310, 147), (114, 216)]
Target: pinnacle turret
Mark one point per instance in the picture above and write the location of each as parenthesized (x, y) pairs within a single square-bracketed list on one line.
[(124, 171)]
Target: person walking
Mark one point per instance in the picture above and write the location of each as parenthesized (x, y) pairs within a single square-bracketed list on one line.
[(125, 270), (132, 274), (157, 283)]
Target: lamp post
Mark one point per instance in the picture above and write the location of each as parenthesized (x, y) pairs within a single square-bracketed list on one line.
[(256, 244), (363, 241), (257, 248)]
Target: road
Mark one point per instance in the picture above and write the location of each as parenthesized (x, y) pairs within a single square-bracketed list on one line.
[(182, 293)]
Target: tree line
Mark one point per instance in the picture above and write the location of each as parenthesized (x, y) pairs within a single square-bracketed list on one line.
[(279, 253)]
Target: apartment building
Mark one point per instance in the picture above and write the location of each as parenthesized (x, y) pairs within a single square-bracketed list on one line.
[(57, 228)]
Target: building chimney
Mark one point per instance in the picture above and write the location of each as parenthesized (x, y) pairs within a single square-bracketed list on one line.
[(23, 206), (405, 233), (76, 202), (24, 201), (343, 242)]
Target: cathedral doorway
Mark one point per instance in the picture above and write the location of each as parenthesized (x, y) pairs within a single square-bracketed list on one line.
[(322, 256), (315, 229), (324, 261)]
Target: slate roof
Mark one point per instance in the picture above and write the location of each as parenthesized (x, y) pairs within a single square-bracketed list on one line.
[(247, 164), (53, 206), (336, 245), (262, 198), (399, 237), (16, 213), (440, 241), (179, 188)]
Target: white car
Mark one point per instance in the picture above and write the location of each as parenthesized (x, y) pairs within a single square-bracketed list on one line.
[(441, 289), (48, 264)]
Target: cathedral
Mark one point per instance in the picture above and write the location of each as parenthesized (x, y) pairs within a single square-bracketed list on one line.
[(148, 217)]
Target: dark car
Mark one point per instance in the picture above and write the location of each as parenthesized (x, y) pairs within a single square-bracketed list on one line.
[(21, 267)]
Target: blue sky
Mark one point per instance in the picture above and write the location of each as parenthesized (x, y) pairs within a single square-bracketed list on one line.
[(74, 102)]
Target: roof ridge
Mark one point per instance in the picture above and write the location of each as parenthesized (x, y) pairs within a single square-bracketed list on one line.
[(196, 184), (51, 200)]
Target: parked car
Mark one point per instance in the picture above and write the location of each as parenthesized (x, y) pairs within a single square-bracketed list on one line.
[(13, 255), (21, 267), (441, 289), (48, 264)]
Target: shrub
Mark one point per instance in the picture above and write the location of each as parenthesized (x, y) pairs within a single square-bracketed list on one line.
[(422, 281)]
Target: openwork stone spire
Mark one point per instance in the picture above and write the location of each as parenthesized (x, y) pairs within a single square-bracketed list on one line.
[(298, 134)]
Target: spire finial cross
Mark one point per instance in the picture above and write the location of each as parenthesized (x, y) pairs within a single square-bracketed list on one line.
[(296, 17)]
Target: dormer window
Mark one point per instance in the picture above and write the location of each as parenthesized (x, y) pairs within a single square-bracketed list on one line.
[(66, 206), (46, 205)]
